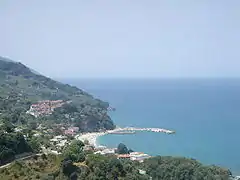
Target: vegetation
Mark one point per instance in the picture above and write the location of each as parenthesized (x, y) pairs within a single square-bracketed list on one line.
[(75, 165), (182, 169), (20, 87), (99, 167), (109, 167), (11, 144), (39, 167), (122, 149), (74, 151)]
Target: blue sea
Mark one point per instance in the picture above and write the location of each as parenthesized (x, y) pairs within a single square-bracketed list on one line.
[(205, 113)]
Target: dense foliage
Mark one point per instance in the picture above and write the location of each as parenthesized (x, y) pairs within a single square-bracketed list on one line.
[(109, 167), (122, 149), (39, 167), (11, 144), (99, 167), (183, 169), (74, 151), (74, 164), (20, 87)]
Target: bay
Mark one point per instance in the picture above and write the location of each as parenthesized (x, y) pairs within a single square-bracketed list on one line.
[(205, 113)]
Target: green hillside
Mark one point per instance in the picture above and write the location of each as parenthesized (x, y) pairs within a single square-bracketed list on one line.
[(20, 87), (98, 167)]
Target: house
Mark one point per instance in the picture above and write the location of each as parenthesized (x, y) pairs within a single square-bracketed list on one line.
[(105, 151), (62, 143), (108, 151), (138, 156), (101, 148), (60, 137), (54, 140), (136, 153), (98, 152), (123, 156), (36, 135), (71, 131)]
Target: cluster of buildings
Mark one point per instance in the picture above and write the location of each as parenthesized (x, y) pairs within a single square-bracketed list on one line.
[(71, 131), (59, 141), (105, 151), (134, 156), (45, 107)]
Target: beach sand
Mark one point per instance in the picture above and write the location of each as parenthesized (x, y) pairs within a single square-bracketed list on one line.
[(90, 137), (93, 136)]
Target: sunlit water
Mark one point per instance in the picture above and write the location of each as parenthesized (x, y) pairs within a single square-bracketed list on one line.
[(204, 113)]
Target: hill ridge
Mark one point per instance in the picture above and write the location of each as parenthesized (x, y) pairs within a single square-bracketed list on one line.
[(24, 87)]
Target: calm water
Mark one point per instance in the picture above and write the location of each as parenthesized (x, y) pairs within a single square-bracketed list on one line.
[(204, 113)]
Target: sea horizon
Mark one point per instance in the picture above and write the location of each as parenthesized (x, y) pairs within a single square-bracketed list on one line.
[(203, 113)]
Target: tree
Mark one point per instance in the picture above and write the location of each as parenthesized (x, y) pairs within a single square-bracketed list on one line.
[(182, 168), (73, 176), (122, 149), (12, 144), (130, 151), (6, 155), (34, 144), (75, 151), (32, 125), (68, 167), (109, 167), (7, 126)]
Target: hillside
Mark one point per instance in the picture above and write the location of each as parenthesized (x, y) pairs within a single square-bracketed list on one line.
[(98, 167), (20, 87)]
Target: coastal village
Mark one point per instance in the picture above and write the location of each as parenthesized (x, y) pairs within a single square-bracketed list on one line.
[(68, 133), (58, 139), (90, 141), (45, 107), (60, 142)]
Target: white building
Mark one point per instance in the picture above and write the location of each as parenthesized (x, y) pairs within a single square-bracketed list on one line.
[(138, 156)]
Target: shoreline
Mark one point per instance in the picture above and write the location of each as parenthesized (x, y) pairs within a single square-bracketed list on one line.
[(92, 137)]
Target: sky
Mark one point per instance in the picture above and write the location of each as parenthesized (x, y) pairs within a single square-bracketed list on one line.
[(123, 38)]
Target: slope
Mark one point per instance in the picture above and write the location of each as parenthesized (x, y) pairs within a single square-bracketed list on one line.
[(20, 87)]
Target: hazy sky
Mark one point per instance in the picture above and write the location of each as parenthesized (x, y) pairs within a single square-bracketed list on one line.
[(123, 38)]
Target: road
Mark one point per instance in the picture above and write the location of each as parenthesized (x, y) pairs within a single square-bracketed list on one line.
[(19, 159)]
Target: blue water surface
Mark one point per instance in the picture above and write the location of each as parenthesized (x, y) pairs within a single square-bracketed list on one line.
[(205, 113)]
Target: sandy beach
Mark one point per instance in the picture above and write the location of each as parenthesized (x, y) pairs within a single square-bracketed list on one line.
[(90, 137), (93, 136)]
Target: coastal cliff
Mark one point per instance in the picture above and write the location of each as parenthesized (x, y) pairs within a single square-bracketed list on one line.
[(22, 87)]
